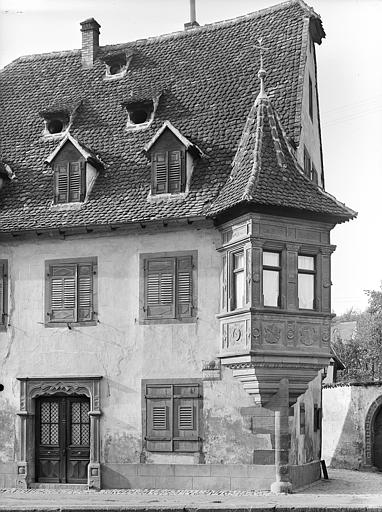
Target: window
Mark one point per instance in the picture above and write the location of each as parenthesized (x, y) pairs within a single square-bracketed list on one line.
[(71, 291), (238, 280), (55, 123), (306, 282), (172, 415), (169, 287), (310, 98), (271, 279), (316, 418), (307, 162), (3, 294), (168, 172), (140, 113), (302, 418), (69, 182)]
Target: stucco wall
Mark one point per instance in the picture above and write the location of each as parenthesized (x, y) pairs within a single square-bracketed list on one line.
[(345, 409), (119, 348), (310, 133)]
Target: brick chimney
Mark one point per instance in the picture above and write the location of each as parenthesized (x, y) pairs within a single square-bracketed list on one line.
[(90, 42)]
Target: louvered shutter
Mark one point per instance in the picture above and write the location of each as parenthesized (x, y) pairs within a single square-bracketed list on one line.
[(184, 286), (83, 181), (160, 288), (174, 171), (61, 183), (2, 290), (159, 418), (187, 402), (63, 305), (74, 181), (85, 292), (160, 171)]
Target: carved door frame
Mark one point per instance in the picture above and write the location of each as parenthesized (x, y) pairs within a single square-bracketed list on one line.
[(33, 387), (369, 430)]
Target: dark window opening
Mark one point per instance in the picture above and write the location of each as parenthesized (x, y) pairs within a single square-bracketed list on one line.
[(115, 68), (139, 116), (140, 112), (307, 162), (55, 126)]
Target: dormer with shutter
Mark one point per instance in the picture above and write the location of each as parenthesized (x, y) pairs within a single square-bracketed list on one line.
[(75, 169), (172, 161)]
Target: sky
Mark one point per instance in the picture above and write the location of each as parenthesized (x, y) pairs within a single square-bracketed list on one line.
[(350, 95)]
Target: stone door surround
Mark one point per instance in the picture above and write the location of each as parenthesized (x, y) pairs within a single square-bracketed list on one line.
[(369, 430), (33, 387)]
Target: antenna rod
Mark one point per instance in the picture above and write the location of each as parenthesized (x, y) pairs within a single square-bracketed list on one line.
[(192, 11)]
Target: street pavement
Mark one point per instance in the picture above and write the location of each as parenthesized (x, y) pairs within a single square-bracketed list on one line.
[(345, 490)]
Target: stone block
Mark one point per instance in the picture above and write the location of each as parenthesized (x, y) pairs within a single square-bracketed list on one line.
[(173, 482), (261, 471), (252, 484), (216, 483), (202, 470), (229, 470), (140, 482), (265, 457), (156, 469)]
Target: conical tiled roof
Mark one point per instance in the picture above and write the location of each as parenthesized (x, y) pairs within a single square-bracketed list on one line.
[(265, 171)]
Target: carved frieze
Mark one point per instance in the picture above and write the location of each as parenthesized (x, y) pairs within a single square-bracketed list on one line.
[(308, 335), (236, 333), (291, 334), (272, 333)]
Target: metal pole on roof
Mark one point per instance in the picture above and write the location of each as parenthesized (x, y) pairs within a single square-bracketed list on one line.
[(192, 11)]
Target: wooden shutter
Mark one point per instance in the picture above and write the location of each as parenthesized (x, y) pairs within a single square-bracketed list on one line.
[(61, 183), (75, 181), (2, 293), (160, 288), (83, 181), (184, 286), (85, 292), (174, 171), (187, 402), (160, 172), (63, 300), (159, 418)]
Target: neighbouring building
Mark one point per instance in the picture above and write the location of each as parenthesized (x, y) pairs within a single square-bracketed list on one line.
[(165, 259)]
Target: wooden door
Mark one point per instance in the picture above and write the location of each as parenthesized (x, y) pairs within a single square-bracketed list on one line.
[(378, 440), (62, 439)]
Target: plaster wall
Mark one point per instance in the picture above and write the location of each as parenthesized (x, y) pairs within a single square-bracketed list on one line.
[(310, 130), (119, 348), (345, 410)]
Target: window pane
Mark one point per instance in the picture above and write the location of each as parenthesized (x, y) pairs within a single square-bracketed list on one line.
[(238, 289), (306, 262), (306, 291), (238, 260), (271, 284), (271, 259)]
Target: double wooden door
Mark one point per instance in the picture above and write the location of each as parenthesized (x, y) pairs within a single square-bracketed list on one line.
[(378, 440), (62, 439)]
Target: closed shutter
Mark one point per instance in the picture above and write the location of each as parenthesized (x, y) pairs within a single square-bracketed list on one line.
[(160, 288), (85, 292), (187, 401), (184, 286), (159, 418), (74, 181), (2, 291), (63, 305), (61, 183), (160, 171), (174, 171)]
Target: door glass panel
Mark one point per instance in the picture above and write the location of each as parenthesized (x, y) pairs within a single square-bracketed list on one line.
[(80, 423), (49, 423)]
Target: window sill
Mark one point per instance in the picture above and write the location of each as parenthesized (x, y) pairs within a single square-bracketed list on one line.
[(69, 325), (276, 311), (153, 321)]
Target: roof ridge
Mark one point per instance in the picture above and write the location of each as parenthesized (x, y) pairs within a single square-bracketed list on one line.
[(216, 25)]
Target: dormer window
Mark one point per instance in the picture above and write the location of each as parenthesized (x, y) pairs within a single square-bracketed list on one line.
[(69, 182), (173, 158), (75, 169), (140, 114), (116, 64), (168, 172)]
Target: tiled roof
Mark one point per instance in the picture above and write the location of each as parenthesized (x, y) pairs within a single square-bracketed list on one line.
[(266, 172), (206, 79)]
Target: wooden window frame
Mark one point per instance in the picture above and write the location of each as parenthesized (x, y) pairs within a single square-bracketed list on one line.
[(199, 420), (182, 178), (144, 258), (308, 272), (278, 269), (71, 261), (82, 192), (4, 297)]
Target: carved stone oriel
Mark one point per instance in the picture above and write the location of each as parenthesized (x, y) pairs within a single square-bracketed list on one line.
[(272, 333), (308, 335)]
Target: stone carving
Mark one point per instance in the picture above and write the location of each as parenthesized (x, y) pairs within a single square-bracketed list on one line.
[(308, 335), (235, 333), (325, 332), (272, 333), (225, 337)]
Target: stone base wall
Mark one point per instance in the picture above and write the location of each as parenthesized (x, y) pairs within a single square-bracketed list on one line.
[(8, 474), (187, 476), (304, 474)]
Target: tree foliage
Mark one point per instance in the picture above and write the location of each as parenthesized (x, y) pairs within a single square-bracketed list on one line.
[(362, 354)]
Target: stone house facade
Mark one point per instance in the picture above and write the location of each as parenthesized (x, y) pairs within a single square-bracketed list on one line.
[(165, 259)]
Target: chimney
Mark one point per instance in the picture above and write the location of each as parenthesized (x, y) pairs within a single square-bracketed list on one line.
[(192, 23), (90, 42)]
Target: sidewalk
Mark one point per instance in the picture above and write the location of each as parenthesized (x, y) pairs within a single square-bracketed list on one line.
[(345, 490)]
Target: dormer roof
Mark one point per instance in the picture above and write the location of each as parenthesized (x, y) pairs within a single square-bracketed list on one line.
[(87, 154), (168, 126)]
